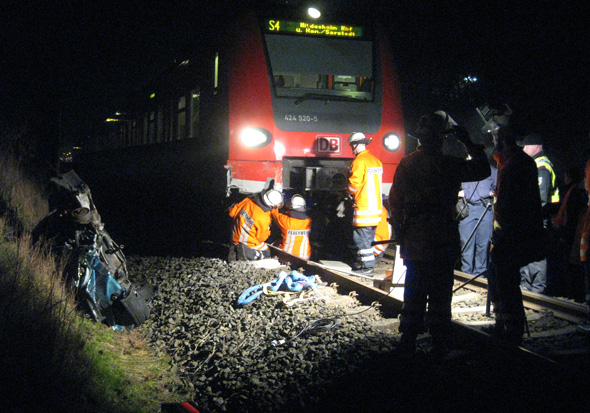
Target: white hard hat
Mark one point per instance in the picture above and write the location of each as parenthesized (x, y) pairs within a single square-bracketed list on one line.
[(298, 202), (272, 198), (358, 137)]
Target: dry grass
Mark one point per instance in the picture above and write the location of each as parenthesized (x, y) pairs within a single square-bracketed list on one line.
[(22, 195), (52, 358)]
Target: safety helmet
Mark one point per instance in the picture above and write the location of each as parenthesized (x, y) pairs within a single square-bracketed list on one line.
[(434, 125), (297, 203), (358, 138), (272, 198)]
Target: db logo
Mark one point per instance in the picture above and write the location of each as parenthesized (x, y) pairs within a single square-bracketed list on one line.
[(328, 144)]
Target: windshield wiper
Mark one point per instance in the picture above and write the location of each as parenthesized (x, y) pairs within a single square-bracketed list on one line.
[(327, 98)]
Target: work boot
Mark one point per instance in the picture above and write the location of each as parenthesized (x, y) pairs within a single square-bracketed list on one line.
[(495, 330), (514, 331), (440, 348), (365, 271), (232, 254), (407, 346)]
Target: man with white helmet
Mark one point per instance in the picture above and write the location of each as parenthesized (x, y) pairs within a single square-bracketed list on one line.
[(364, 185), (251, 225), (295, 226)]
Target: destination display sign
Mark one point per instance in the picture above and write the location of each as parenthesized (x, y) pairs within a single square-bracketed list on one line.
[(313, 29)]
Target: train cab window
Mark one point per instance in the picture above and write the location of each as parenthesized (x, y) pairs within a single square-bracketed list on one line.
[(321, 68)]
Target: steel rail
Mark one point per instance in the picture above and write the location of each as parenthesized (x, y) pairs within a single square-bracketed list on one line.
[(462, 332), (566, 310), (561, 309), (347, 282)]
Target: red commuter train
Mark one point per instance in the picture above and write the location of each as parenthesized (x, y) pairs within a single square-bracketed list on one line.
[(270, 103), (297, 89), (276, 104)]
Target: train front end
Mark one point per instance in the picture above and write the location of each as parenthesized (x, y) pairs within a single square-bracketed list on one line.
[(297, 90)]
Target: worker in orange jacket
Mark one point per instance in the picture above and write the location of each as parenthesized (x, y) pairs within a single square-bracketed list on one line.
[(364, 185), (251, 225), (382, 233), (295, 227)]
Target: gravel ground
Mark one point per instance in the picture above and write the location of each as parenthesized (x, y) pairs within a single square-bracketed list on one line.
[(338, 355)]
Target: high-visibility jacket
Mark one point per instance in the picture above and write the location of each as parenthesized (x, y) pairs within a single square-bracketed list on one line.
[(382, 233), (251, 224), (548, 189), (364, 184), (586, 219), (294, 233)]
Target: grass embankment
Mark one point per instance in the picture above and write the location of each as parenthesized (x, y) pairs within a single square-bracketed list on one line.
[(53, 358)]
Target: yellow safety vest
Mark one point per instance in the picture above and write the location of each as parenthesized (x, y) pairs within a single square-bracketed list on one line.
[(543, 161)]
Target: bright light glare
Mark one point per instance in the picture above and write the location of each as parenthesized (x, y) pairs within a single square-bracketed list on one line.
[(314, 13), (392, 142), (279, 150), (254, 138)]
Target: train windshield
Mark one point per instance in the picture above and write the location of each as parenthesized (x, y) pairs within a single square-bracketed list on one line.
[(320, 68)]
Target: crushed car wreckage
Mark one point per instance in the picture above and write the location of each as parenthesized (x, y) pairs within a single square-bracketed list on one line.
[(96, 266)]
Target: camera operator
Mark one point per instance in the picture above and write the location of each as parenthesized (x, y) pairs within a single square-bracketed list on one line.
[(422, 204)]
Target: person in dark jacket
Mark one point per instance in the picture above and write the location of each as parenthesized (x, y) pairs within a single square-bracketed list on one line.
[(422, 204), (517, 239), (565, 225), (476, 228), (536, 276)]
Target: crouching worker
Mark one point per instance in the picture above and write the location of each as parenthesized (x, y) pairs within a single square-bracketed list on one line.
[(295, 227), (251, 225)]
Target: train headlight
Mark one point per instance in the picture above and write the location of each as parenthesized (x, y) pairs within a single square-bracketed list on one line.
[(392, 142), (255, 137)]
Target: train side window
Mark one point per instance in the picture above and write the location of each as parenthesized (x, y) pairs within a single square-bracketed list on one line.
[(181, 118), (151, 127), (216, 74), (195, 109), (160, 126)]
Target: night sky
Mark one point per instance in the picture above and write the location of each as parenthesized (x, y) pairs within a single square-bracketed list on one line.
[(67, 65)]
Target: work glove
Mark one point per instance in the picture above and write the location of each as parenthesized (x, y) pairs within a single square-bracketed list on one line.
[(345, 204), (340, 209)]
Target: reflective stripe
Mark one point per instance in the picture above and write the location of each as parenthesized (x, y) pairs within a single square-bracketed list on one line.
[(368, 222), (261, 247), (245, 232), (246, 226), (379, 248), (365, 184), (369, 218), (544, 162)]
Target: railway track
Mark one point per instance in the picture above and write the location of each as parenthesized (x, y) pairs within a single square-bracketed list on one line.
[(553, 332)]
